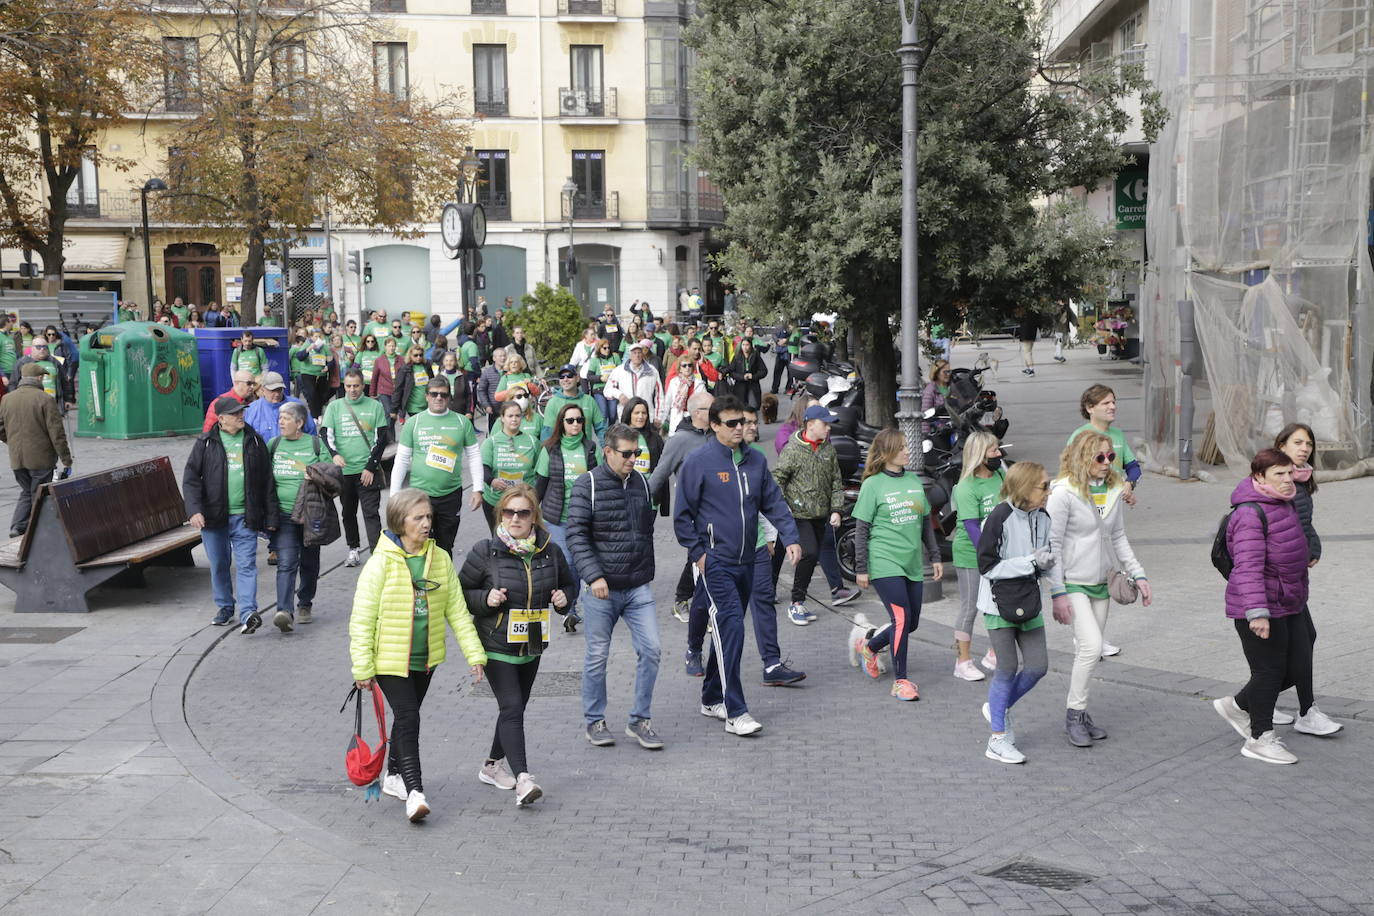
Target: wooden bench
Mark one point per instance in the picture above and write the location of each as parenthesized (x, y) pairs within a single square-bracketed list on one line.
[(85, 531)]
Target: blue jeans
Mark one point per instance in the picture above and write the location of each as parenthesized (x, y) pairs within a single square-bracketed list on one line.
[(295, 560), (238, 543), (559, 535), (636, 607)]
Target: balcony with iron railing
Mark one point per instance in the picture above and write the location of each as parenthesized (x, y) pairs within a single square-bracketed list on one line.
[(666, 103), (586, 9), (495, 203), (604, 206), (388, 6), (685, 209), (679, 9), (492, 101), (489, 7), (587, 103), (118, 205)]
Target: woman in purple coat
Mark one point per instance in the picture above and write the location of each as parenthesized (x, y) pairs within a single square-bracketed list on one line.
[(1265, 597)]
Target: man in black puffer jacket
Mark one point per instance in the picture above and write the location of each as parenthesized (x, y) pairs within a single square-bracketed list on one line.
[(610, 537)]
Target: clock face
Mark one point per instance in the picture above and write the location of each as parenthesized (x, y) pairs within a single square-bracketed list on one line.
[(479, 226), (451, 226)]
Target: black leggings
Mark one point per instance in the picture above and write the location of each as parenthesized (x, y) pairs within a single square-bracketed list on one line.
[(404, 695), (511, 685), (780, 361), (1283, 660), (810, 531), (315, 390)]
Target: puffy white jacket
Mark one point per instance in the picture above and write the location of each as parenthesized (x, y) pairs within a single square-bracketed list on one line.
[(625, 382), (1077, 541)]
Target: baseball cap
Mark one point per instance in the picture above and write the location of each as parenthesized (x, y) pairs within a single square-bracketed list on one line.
[(818, 412), (568, 371), (225, 407), (273, 380)]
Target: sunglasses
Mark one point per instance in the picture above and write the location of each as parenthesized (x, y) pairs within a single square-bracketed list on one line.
[(517, 513), (424, 585), (437, 394), (1106, 458), (577, 420), (626, 452), (732, 423), (565, 377)]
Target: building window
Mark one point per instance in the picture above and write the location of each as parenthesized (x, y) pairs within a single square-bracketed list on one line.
[(589, 174), (83, 197), (491, 95), (181, 74), (666, 76), (588, 96), (388, 6), (490, 7), (667, 178), (288, 74), (493, 182), (390, 65)]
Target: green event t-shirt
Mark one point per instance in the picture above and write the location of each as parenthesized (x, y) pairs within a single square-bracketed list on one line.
[(794, 343), (233, 450), (377, 329), (437, 443), (254, 360), (419, 626), (998, 622), (289, 460), (353, 444), (352, 340), (8, 354), (365, 360), (594, 421), (51, 376), (715, 357), (974, 499), (574, 465), (510, 458), (468, 354), (599, 369), (1124, 455), (895, 508), (310, 361), (509, 380), (183, 314), (420, 372)]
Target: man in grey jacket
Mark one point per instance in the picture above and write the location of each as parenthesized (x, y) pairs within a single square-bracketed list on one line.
[(691, 434), (486, 387)]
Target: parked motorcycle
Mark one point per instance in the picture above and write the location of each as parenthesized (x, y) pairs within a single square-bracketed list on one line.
[(971, 406)]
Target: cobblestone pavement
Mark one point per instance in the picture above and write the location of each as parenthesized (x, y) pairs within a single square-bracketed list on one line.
[(153, 764)]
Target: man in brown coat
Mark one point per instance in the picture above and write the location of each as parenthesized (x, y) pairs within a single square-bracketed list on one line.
[(31, 425)]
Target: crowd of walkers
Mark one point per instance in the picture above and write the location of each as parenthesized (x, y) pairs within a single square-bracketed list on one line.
[(573, 468)]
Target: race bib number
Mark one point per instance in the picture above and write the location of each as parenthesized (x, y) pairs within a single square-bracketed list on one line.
[(612, 328), (512, 476), (441, 459), (319, 359), (421, 378), (518, 627), (367, 376), (642, 463), (606, 370)]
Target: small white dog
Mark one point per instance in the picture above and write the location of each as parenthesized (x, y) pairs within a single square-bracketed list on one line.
[(857, 632)]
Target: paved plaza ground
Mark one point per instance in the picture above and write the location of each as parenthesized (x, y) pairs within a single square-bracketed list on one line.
[(154, 764)]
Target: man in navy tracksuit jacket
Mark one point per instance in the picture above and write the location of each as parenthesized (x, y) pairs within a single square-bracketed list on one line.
[(721, 489)]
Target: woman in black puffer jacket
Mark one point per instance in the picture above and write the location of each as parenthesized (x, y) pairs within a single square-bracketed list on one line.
[(747, 370), (511, 581)]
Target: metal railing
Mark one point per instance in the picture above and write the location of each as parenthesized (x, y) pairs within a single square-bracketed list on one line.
[(388, 6), (586, 7), (593, 206), (686, 208), (495, 203), (490, 7), (492, 100), (666, 102), (587, 103), (117, 205)]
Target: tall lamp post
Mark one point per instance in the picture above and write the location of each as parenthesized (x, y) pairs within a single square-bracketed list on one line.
[(909, 394), (152, 184), (569, 191), (469, 167)]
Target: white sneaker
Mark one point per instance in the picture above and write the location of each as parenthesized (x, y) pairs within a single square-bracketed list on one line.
[(743, 724), (417, 809), (352, 557), (797, 614), (1317, 723), (714, 711), (1002, 750), (1269, 748), (497, 774), (394, 786), (1282, 718), (525, 790), (990, 660), (1008, 730), (966, 670), (1108, 650), (1235, 717)]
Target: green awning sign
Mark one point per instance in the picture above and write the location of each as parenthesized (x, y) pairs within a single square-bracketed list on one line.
[(1132, 190)]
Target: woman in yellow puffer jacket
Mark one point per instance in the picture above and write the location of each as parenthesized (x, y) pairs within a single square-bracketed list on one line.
[(390, 637)]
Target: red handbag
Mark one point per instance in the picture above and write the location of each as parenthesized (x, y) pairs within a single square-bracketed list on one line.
[(363, 764)]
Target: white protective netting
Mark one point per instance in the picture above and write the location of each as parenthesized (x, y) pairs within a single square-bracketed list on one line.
[(1258, 213)]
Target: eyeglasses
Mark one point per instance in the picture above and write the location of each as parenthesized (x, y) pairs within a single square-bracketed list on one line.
[(626, 452), (1106, 457), (517, 513), (732, 423)]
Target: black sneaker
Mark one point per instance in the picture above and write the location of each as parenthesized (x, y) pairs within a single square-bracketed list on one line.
[(250, 625), (599, 734), (782, 676)]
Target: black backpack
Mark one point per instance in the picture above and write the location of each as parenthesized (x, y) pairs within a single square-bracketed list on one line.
[(1221, 551)]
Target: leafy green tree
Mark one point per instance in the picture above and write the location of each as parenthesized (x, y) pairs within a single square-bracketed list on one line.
[(552, 320), (800, 124)]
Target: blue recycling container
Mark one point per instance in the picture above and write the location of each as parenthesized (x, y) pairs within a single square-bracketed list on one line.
[(216, 347)]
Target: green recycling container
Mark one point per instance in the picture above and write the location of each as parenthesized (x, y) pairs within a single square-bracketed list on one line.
[(139, 379)]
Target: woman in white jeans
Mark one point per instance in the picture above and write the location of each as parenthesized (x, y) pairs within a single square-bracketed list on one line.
[(1088, 535)]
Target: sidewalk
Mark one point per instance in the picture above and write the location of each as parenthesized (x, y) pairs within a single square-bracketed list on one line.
[(155, 764)]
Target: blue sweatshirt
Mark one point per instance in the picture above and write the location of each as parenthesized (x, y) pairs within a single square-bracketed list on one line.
[(719, 501)]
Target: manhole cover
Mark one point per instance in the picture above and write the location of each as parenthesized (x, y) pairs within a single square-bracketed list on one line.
[(34, 636), (1040, 874), (546, 684)]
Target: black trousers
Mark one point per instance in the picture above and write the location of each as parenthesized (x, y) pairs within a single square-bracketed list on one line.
[(511, 684), (354, 493), (686, 584), (1283, 660), (404, 695), (446, 510), (315, 390), (810, 532), (29, 481), (780, 361)]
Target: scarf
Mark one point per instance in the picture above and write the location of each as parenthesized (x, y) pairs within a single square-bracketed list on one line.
[(521, 547), (1302, 474), (1267, 490)]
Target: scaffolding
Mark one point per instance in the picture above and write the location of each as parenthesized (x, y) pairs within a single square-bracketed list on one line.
[(1258, 224)]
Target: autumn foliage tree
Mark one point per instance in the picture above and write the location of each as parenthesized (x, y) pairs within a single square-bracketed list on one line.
[(290, 117), (66, 67)]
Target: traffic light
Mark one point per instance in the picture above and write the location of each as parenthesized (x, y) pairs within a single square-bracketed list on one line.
[(355, 262), (367, 273)]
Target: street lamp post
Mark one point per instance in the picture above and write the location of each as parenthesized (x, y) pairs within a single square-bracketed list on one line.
[(152, 184), (467, 193), (569, 191), (908, 394)]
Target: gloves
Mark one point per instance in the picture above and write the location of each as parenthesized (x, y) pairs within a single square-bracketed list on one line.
[(1043, 558)]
